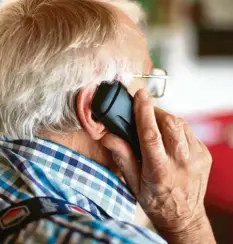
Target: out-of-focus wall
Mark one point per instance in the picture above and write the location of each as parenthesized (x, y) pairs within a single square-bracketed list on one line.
[(197, 85)]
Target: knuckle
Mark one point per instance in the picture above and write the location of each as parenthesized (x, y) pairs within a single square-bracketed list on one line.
[(151, 137), (180, 122), (174, 122), (118, 160), (170, 121)]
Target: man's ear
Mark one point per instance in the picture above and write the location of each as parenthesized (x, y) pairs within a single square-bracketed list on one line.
[(95, 129)]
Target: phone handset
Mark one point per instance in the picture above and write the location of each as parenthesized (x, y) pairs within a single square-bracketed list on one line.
[(112, 105)]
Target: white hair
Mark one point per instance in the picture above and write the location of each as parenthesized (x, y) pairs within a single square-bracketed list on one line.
[(49, 49)]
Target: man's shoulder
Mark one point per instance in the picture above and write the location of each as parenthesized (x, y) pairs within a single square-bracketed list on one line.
[(81, 228), (4, 161)]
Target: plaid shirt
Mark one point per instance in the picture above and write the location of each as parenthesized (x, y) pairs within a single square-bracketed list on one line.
[(41, 168)]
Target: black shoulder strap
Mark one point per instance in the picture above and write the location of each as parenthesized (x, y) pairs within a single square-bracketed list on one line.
[(19, 215)]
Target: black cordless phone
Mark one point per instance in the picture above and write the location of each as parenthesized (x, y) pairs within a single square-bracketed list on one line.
[(112, 105)]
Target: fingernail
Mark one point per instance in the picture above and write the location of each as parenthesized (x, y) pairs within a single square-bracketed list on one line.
[(143, 95)]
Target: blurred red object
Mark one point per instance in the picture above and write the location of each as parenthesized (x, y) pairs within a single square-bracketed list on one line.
[(220, 188), (216, 131)]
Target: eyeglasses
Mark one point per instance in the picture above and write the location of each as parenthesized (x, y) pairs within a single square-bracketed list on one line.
[(156, 82)]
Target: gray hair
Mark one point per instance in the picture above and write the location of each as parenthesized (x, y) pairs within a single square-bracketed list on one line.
[(49, 49)]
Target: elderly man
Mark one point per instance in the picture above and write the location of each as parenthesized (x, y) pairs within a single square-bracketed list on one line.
[(58, 180)]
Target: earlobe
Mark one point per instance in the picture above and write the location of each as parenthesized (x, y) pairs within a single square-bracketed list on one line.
[(95, 129)]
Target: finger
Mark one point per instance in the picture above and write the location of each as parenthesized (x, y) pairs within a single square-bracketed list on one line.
[(197, 147), (173, 131), (150, 138), (125, 159), (191, 137)]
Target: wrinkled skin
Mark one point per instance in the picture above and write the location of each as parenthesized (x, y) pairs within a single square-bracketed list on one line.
[(172, 182)]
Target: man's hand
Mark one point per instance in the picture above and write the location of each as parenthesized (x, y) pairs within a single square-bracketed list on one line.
[(172, 182)]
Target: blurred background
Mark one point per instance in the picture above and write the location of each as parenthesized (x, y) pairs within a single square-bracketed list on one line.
[(193, 41)]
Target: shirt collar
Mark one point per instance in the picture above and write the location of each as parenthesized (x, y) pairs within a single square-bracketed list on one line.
[(77, 172)]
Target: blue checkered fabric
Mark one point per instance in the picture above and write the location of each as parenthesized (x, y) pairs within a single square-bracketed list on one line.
[(42, 168)]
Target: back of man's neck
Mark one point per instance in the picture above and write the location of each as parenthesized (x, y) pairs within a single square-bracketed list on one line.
[(80, 142)]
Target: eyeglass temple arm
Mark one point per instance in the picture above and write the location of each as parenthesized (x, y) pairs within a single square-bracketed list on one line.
[(152, 76)]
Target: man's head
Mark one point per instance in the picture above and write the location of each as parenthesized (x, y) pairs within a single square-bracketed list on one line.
[(52, 49)]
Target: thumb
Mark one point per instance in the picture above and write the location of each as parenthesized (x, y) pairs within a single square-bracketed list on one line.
[(125, 160)]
